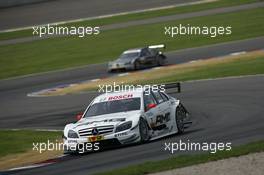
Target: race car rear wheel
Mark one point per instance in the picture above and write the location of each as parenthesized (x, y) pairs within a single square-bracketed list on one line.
[(180, 115), (136, 65), (143, 131), (161, 61)]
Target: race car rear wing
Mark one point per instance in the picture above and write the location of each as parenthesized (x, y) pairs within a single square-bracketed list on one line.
[(160, 46), (171, 87)]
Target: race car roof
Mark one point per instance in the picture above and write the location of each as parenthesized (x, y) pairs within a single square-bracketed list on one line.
[(118, 96)]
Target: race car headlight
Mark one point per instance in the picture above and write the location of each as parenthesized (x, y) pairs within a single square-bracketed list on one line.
[(72, 134), (124, 126)]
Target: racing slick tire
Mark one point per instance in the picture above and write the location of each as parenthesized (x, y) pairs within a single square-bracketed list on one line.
[(180, 115), (136, 65), (160, 61), (143, 131), (71, 152)]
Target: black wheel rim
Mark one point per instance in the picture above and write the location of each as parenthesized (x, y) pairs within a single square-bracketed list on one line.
[(179, 119)]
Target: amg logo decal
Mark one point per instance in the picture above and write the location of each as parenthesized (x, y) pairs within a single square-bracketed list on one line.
[(161, 119)]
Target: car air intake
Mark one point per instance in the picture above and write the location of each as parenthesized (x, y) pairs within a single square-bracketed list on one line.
[(102, 130)]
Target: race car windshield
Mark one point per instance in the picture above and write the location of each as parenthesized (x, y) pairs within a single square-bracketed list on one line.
[(129, 55), (109, 107)]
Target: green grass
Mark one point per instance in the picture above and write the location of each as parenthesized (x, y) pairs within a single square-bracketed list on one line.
[(58, 53), (251, 63), (137, 16), (186, 160), (22, 140), (252, 66)]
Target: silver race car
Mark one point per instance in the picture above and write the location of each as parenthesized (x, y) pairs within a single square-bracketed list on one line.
[(135, 59), (127, 117)]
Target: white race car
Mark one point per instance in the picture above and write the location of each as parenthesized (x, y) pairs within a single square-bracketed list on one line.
[(126, 117)]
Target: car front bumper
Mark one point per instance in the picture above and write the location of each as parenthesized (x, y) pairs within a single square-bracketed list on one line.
[(124, 137)]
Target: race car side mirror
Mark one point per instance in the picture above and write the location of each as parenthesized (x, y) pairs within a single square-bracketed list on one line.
[(79, 116), (152, 105)]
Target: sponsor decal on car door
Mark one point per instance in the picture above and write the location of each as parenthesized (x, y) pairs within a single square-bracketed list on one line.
[(163, 118)]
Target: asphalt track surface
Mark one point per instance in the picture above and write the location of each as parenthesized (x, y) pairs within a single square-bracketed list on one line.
[(228, 110), (148, 21), (60, 10), (19, 111)]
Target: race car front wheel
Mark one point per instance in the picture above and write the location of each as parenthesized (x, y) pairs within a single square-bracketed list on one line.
[(136, 65), (180, 115), (160, 61), (143, 131)]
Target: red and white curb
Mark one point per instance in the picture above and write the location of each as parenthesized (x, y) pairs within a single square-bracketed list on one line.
[(40, 164), (42, 93)]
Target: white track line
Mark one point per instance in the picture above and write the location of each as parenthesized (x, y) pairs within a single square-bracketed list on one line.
[(94, 80), (238, 53), (156, 68), (111, 15), (39, 93), (29, 166), (85, 66), (224, 78), (124, 74), (49, 130)]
